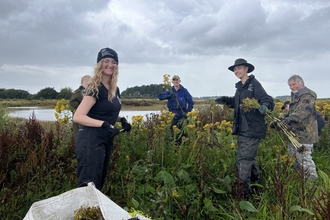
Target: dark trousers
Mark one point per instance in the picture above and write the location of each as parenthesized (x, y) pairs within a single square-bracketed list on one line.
[(178, 123), (175, 121), (93, 150), (246, 165)]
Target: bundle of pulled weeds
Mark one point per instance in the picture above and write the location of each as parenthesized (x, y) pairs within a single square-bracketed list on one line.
[(251, 104), (88, 213)]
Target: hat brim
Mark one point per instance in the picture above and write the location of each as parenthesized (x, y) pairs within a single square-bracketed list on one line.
[(250, 66)]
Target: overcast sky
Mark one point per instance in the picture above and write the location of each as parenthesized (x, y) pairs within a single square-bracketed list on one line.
[(54, 43)]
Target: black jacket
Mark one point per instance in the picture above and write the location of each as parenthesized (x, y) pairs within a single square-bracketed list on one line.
[(320, 122), (252, 123)]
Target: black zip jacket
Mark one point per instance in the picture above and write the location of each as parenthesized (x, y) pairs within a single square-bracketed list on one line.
[(252, 123)]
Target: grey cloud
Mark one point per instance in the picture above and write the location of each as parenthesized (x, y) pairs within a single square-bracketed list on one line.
[(52, 32), (9, 7)]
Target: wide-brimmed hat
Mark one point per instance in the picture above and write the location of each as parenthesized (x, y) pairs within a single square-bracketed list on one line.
[(285, 104), (240, 62)]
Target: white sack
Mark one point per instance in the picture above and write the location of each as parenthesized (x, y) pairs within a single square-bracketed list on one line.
[(63, 206)]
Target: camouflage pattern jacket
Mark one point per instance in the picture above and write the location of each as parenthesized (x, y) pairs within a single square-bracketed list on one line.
[(300, 116)]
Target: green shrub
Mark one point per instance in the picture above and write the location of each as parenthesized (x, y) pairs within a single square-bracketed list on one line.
[(3, 117)]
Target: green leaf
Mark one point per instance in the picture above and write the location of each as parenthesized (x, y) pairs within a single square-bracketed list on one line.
[(186, 166), (183, 175), (258, 185), (300, 209), (209, 206), (135, 203), (245, 205), (165, 177), (219, 191)]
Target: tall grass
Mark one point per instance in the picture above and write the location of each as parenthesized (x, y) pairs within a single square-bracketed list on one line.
[(152, 173)]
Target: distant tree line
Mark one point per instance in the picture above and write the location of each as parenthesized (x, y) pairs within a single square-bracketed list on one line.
[(145, 91), (149, 91), (283, 97), (46, 93)]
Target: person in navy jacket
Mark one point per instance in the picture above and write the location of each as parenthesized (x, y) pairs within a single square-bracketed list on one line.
[(180, 101)]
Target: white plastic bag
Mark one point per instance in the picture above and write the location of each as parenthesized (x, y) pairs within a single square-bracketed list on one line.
[(64, 205)]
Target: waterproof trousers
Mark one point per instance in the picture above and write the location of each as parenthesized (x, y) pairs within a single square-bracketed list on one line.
[(93, 150), (246, 165)]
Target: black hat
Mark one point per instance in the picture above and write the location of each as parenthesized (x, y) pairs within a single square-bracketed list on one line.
[(107, 53), (240, 62), (285, 104)]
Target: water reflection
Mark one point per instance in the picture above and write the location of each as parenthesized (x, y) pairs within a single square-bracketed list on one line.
[(43, 114)]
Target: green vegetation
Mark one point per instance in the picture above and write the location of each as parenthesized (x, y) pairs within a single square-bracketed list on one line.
[(153, 174)]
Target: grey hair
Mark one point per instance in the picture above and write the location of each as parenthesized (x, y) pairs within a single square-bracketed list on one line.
[(296, 78)]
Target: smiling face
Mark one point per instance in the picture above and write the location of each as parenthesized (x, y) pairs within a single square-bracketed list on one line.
[(109, 66), (241, 72), (176, 82), (295, 86)]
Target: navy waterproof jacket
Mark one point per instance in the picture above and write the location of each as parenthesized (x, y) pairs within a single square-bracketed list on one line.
[(252, 123), (180, 102)]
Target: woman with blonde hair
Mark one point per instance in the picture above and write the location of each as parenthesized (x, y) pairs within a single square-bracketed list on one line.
[(97, 114)]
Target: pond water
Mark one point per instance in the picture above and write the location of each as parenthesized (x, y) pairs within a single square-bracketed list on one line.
[(44, 114)]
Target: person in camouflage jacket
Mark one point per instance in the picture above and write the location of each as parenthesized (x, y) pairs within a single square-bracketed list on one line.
[(77, 97), (302, 122)]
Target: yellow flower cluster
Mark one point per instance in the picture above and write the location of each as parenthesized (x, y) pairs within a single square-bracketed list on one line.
[(286, 158), (167, 81), (193, 115), (175, 194), (63, 112), (165, 117), (137, 121), (323, 106), (278, 106), (225, 126)]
